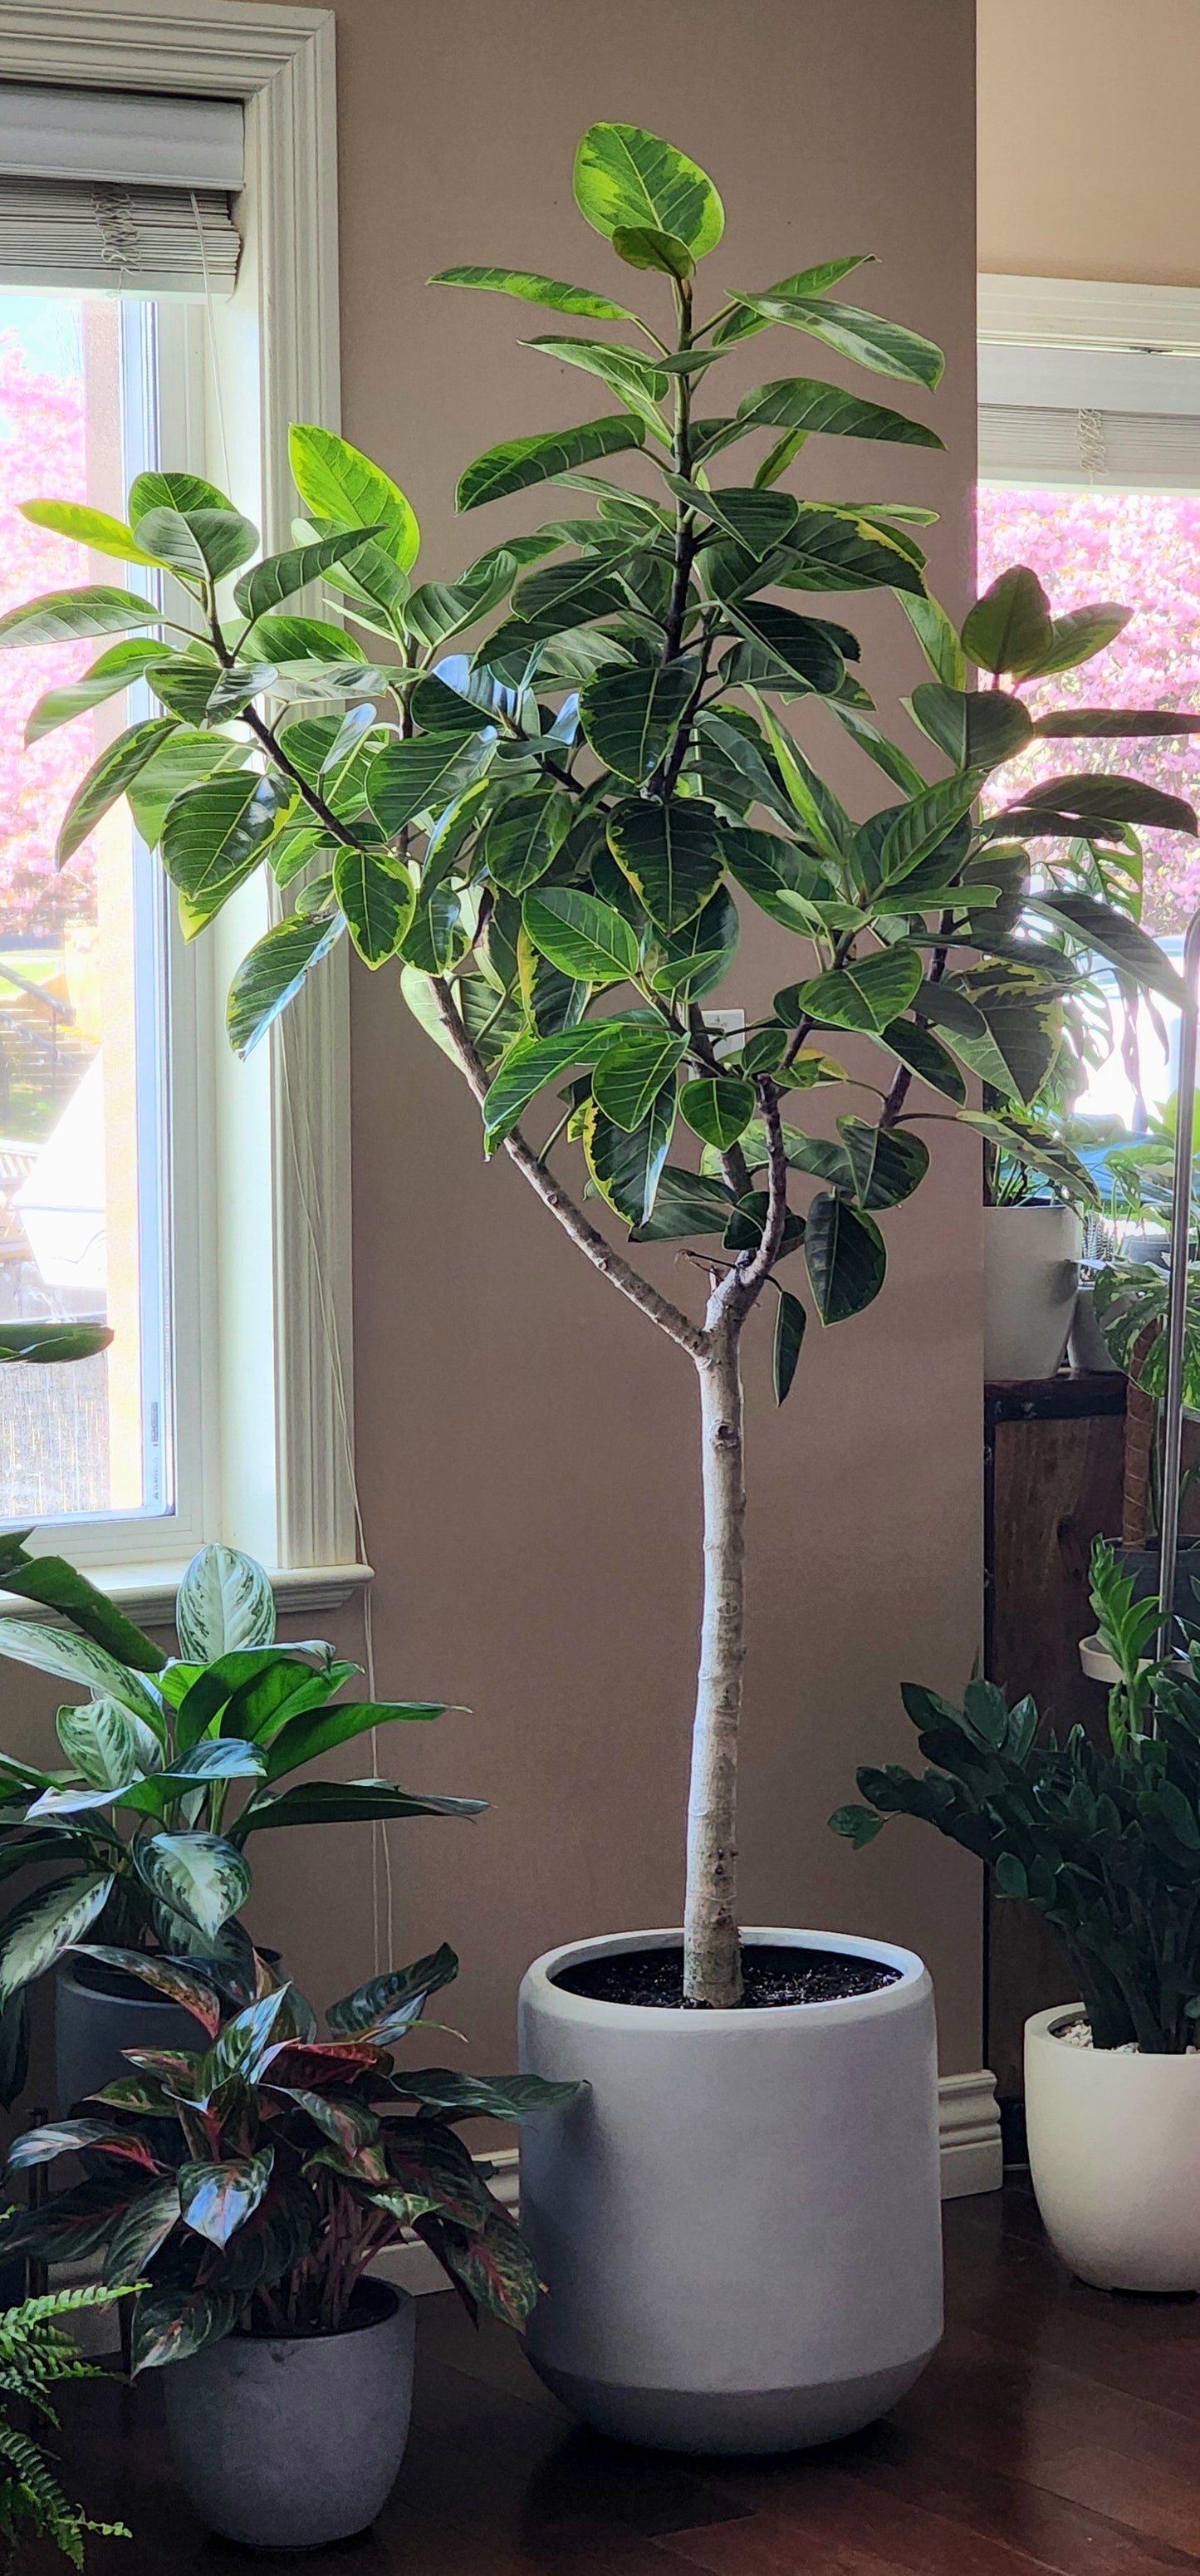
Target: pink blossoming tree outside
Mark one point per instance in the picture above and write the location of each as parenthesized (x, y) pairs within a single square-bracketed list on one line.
[(1141, 547)]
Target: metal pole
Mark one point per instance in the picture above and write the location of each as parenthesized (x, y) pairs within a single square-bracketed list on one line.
[(1181, 1238)]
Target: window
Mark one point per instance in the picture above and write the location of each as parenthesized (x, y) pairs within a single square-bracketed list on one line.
[(143, 1174), (1090, 472), (85, 1096)]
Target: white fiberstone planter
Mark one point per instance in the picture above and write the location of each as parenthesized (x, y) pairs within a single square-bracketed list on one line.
[(1030, 1285), (1114, 2152), (739, 2223)]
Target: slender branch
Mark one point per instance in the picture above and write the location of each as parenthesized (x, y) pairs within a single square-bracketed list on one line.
[(264, 734), (902, 1078), (612, 1265)]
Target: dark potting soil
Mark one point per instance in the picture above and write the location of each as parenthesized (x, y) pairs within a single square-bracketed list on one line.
[(771, 1976)]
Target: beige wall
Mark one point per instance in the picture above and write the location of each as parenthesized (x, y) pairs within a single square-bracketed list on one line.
[(1087, 139), (527, 1447)]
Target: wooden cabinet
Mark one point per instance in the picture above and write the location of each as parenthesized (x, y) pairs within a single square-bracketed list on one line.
[(1052, 1483)]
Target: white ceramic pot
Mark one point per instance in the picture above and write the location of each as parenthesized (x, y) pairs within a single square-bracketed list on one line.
[(1086, 1347), (739, 2222), (1030, 1283), (1114, 2151), (292, 2442)]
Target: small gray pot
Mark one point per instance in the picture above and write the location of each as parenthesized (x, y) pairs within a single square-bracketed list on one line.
[(98, 2014), (291, 2442)]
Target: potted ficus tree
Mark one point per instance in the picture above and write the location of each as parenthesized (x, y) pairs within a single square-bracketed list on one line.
[(172, 1764), (550, 832)]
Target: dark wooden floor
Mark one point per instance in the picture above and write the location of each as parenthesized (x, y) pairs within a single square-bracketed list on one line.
[(1058, 2428)]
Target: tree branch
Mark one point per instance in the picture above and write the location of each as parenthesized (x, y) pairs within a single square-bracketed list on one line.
[(611, 1264)]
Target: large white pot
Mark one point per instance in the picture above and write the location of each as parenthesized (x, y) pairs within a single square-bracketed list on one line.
[(1114, 2151), (1030, 1284), (739, 2222)]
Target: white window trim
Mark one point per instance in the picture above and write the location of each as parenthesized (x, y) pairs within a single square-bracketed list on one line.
[(280, 62)]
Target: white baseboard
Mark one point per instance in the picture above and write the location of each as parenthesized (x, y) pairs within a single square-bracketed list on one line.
[(969, 2131)]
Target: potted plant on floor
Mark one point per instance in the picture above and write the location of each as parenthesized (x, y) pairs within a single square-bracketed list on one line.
[(549, 834), (1105, 1842), (1131, 1298), (251, 2181), (140, 1819)]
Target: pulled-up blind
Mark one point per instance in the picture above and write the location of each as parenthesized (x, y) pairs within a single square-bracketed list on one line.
[(99, 189), (1140, 451)]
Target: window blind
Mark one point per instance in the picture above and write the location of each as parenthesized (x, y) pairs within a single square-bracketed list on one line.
[(1123, 450), (131, 135), (100, 190)]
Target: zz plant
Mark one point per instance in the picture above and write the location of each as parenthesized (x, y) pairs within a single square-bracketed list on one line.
[(141, 1819), (1103, 1840), (252, 2180), (549, 826)]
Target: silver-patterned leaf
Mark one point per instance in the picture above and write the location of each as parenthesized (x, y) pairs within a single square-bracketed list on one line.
[(72, 1658), (199, 1876), (225, 1600)]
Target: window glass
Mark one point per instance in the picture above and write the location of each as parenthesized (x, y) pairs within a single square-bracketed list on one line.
[(1139, 549), (83, 1124)]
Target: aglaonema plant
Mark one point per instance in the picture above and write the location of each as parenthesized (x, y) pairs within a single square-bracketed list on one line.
[(172, 1763), (550, 828)]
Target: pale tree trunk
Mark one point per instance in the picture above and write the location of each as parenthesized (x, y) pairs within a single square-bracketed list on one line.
[(712, 1952)]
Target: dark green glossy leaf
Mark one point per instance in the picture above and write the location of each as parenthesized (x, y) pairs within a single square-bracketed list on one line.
[(377, 900), (343, 1802), (533, 1062), (389, 1997), (718, 1107), (889, 1163), (199, 545), (561, 596), (846, 1260), (411, 778), (975, 728), (1113, 935), (686, 1203), (627, 373), (631, 717), (743, 323), (518, 462), (790, 1320), (216, 2198), (925, 1055), (632, 1071), (806, 407), (524, 836), (866, 993), (626, 1168), (1079, 634), (1085, 800), (1010, 628), (799, 645), (670, 854), (584, 938)]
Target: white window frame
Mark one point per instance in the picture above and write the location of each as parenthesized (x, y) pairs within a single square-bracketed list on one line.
[(276, 1390)]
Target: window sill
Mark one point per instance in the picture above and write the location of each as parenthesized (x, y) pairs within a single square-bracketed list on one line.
[(147, 1592)]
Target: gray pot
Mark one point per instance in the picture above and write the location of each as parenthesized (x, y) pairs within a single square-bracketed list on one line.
[(291, 2442), (99, 2014)]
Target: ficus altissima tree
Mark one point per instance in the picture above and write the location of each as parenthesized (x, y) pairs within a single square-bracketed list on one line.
[(543, 788)]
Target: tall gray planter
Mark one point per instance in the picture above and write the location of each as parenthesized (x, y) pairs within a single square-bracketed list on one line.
[(292, 2442), (98, 2014), (739, 2219)]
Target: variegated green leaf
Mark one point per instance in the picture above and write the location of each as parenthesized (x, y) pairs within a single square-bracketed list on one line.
[(224, 1601)]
